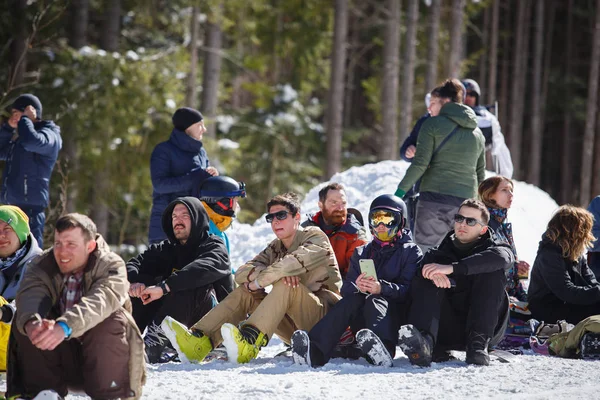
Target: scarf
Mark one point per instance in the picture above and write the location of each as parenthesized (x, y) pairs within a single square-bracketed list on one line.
[(6, 263)]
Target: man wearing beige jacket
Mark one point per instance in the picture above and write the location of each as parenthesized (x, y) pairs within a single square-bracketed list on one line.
[(300, 265), (73, 328)]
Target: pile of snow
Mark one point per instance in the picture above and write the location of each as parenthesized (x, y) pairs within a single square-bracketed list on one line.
[(529, 376), (530, 212)]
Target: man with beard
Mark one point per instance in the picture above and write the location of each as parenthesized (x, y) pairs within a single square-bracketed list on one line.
[(344, 231), (178, 276)]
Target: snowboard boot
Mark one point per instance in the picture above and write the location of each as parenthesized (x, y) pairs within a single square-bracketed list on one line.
[(439, 356), (417, 346), (477, 349), (373, 348), (590, 346), (301, 348), (191, 346), (155, 343), (242, 344)]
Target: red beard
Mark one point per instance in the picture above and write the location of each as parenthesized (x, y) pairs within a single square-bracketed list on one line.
[(335, 218)]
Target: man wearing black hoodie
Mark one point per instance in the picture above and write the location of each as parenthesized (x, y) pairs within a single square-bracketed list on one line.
[(459, 301), (179, 276)]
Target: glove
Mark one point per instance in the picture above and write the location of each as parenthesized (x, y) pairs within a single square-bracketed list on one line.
[(399, 193)]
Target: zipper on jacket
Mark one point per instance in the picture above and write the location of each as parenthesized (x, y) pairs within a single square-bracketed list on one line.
[(25, 187)]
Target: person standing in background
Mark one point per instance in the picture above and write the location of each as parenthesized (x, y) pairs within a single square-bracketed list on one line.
[(177, 166)]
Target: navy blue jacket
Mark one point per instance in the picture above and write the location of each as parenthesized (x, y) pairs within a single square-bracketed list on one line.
[(30, 157), (177, 166), (411, 140), (395, 264)]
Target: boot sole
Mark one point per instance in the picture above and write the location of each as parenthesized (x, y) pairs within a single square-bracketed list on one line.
[(227, 332), (373, 347), (301, 348), (172, 336), (412, 342)]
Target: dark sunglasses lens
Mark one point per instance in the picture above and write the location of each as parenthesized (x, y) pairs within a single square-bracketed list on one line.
[(458, 218), (281, 215), (471, 221)]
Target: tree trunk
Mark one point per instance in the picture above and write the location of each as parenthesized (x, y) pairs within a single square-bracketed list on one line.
[(590, 120), (456, 38), (335, 105), (433, 44), (111, 26), (566, 168), (109, 41), (191, 95), (212, 70), (408, 78), (78, 23), (19, 45), (506, 63), (483, 59), (493, 69), (535, 156), (517, 89)]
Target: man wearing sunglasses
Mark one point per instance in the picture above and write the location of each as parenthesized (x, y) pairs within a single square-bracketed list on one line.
[(345, 232), (180, 276), (301, 267), (459, 301)]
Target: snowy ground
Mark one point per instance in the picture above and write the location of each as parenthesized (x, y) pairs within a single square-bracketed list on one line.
[(529, 377)]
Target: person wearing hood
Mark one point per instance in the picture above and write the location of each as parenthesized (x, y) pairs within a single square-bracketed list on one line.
[(562, 286), (73, 329), (30, 147), (180, 276), (458, 296), (177, 166), (374, 307), (344, 231), (17, 248), (449, 160)]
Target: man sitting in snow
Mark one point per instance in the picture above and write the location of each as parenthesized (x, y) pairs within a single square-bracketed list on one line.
[(458, 298), (343, 229), (301, 266), (178, 276), (72, 328)]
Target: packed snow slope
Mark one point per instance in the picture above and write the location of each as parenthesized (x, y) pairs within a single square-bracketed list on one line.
[(269, 377)]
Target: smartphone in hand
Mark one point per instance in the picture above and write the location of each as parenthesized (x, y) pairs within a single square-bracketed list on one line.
[(368, 268)]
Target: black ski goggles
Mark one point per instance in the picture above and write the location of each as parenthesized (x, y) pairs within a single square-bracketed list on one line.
[(280, 215), (388, 218), (459, 219)]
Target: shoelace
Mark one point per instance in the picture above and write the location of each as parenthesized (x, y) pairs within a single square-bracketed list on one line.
[(155, 336)]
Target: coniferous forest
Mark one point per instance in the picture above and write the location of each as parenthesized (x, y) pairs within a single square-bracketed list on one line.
[(293, 91)]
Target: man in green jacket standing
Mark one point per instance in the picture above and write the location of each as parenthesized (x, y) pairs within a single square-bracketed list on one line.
[(450, 161)]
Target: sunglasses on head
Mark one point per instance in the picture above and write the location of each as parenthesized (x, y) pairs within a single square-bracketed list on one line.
[(280, 215), (385, 217), (459, 219)]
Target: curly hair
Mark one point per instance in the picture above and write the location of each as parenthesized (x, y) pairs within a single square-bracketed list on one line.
[(571, 229), (488, 187), (451, 89)]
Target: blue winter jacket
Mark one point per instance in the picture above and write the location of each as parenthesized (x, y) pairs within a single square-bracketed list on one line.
[(395, 263), (594, 208), (30, 157), (411, 140), (176, 167)]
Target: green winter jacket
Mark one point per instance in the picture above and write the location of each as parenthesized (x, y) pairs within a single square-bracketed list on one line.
[(459, 167)]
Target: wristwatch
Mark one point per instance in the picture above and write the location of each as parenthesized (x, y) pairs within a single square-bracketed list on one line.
[(163, 286)]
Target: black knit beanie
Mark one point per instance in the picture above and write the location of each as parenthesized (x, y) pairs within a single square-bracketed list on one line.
[(186, 117), (28, 99)]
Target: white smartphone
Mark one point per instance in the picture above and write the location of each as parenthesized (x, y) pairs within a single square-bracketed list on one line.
[(367, 267)]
